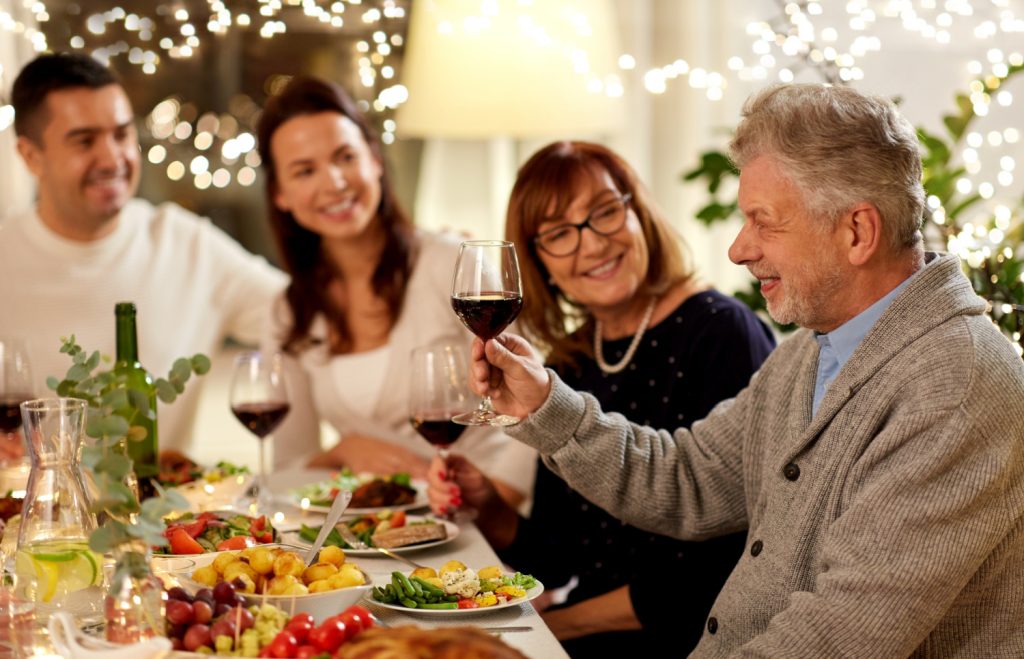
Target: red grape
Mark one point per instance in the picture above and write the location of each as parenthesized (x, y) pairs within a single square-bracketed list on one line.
[(224, 593), (179, 593), (240, 616), (196, 637), (224, 626), (180, 612), (203, 612), (206, 595), (220, 610)]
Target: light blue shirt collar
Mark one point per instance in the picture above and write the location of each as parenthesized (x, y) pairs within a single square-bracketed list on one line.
[(837, 346)]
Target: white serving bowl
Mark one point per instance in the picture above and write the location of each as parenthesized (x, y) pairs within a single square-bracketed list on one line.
[(319, 605)]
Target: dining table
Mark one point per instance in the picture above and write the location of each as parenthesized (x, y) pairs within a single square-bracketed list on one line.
[(531, 636), (518, 625)]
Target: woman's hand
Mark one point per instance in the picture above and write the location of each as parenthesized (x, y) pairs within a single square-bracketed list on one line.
[(460, 484), (509, 371), (369, 454)]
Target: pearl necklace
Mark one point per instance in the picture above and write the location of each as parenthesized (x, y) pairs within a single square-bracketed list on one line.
[(611, 369)]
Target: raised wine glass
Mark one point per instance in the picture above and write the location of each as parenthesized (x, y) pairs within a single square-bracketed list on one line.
[(16, 387), (259, 400), (438, 391), (486, 296)]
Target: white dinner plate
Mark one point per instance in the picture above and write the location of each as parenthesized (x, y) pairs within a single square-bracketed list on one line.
[(421, 501), (444, 613), (293, 538), (222, 494)]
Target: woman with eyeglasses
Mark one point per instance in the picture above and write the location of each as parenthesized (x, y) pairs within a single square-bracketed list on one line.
[(609, 295)]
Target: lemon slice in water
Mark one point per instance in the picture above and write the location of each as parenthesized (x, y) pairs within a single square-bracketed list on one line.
[(60, 569)]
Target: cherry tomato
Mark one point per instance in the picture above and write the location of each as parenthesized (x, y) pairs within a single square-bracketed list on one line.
[(304, 617), (468, 604), (397, 519), (352, 620), (264, 537), (183, 543), (237, 542), (195, 528), (300, 629), (284, 644), (307, 651), (329, 635), (364, 615), (258, 524)]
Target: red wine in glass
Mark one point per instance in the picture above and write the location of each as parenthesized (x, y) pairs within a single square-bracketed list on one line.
[(438, 428), (10, 411), (261, 418), (487, 314)]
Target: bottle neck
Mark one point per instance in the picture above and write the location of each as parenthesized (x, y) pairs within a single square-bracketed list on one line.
[(127, 341)]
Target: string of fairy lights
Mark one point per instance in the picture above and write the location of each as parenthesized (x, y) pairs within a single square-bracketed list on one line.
[(217, 149), (828, 41)]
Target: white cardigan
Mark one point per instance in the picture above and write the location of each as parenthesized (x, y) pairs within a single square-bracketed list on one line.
[(426, 318)]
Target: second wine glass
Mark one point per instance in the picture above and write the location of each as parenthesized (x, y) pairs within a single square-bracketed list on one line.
[(438, 391), (259, 399), (487, 296), (16, 387)]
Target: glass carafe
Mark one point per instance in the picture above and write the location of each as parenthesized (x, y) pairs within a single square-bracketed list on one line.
[(54, 566)]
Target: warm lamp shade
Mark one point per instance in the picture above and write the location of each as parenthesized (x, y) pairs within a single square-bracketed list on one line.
[(518, 68)]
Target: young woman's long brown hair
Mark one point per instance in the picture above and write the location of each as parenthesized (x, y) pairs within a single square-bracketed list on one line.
[(544, 190), (301, 249)]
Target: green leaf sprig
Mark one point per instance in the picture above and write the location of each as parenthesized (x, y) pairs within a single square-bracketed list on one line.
[(113, 407)]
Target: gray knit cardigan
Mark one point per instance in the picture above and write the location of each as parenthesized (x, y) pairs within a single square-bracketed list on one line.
[(891, 524)]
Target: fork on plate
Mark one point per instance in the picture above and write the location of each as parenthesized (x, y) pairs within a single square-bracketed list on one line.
[(355, 543)]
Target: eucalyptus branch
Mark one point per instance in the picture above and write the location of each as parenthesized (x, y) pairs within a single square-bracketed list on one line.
[(113, 407)]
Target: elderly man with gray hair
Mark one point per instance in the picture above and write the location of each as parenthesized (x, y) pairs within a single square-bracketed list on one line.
[(876, 459)]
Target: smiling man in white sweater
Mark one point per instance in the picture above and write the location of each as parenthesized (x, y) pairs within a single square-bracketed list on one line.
[(88, 243)]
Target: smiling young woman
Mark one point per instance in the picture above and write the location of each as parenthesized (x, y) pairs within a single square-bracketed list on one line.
[(367, 288)]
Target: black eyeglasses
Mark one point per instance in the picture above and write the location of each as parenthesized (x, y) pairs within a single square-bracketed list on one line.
[(564, 239)]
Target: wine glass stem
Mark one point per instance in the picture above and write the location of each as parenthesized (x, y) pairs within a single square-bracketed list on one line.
[(486, 406), (261, 481)]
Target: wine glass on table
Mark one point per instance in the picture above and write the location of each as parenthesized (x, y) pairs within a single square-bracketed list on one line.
[(486, 296), (259, 399), (438, 391), (15, 388)]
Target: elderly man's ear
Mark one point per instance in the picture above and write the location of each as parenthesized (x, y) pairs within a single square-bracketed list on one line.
[(862, 233)]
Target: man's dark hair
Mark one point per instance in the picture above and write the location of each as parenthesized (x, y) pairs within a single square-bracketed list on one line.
[(50, 73)]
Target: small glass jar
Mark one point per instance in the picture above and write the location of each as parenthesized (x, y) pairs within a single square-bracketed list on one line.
[(136, 603)]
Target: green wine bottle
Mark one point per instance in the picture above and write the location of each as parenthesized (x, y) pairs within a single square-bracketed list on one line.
[(142, 450)]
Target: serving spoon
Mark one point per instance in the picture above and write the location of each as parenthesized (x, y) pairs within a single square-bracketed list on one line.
[(341, 502)]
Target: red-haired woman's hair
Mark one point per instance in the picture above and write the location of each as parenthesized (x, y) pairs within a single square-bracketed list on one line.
[(545, 188)]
